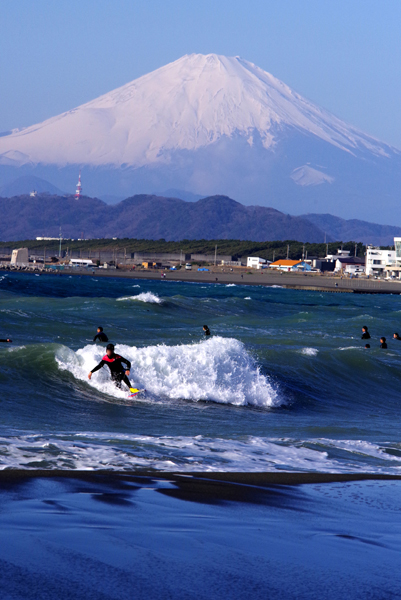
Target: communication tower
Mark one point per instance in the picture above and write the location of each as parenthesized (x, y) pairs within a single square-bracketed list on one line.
[(78, 191)]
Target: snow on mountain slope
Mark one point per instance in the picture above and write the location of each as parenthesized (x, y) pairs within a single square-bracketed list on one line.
[(186, 105)]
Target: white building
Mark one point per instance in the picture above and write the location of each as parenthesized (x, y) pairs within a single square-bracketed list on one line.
[(19, 257), (254, 262), (378, 261)]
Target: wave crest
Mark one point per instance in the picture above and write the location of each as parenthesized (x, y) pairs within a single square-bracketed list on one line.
[(218, 370)]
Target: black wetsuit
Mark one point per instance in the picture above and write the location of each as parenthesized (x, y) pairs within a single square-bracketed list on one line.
[(207, 331), (383, 345), (116, 369), (5, 340), (102, 337), (365, 336)]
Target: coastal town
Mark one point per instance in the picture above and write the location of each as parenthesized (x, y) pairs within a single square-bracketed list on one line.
[(378, 263)]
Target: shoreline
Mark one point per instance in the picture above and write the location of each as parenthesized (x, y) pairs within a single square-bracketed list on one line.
[(236, 478), (264, 278)]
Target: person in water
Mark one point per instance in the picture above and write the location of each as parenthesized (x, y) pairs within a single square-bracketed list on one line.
[(101, 336), (383, 343), (396, 336), (6, 341), (114, 362), (367, 345), (206, 330), (365, 333)]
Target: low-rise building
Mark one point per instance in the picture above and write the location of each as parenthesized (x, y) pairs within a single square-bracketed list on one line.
[(255, 262), (351, 265), (377, 261), (19, 257), (290, 265)]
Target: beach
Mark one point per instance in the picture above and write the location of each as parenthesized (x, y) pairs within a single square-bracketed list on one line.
[(262, 277), (109, 536)]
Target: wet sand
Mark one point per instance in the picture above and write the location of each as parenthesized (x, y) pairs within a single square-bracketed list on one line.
[(100, 535)]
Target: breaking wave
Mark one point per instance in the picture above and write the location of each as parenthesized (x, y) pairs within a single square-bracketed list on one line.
[(117, 451), (218, 370), (144, 297)]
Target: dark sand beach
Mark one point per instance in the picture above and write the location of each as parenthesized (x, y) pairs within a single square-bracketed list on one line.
[(265, 277), (289, 535)]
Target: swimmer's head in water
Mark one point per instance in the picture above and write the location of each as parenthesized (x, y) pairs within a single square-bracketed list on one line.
[(367, 345), (383, 340), (364, 328), (396, 336), (100, 329), (110, 349)]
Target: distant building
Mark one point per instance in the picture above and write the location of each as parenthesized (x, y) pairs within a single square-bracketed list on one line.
[(290, 265), (378, 261), (19, 257), (254, 262), (350, 264), (33, 194)]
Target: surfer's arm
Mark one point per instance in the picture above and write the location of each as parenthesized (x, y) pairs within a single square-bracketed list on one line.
[(127, 362), (99, 366)]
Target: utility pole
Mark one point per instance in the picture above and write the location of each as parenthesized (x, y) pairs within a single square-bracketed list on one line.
[(303, 252), (327, 249), (288, 250), (215, 255), (59, 250), (274, 255), (355, 249)]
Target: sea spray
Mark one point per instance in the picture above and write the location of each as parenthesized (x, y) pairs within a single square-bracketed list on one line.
[(143, 297), (219, 370)]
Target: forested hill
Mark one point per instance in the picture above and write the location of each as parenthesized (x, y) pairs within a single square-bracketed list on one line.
[(149, 217)]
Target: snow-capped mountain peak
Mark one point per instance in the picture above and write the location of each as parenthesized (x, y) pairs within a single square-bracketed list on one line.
[(184, 106)]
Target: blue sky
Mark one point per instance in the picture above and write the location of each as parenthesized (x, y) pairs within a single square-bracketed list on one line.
[(344, 55)]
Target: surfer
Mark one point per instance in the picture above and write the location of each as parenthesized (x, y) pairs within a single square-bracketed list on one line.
[(383, 343), (396, 336), (7, 340), (365, 333), (101, 336), (114, 362), (206, 330), (367, 346)]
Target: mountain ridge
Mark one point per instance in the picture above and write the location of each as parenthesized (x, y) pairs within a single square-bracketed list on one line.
[(150, 216)]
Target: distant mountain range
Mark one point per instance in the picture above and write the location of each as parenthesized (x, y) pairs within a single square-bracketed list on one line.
[(27, 184), (355, 230), (212, 124), (155, 217), (149, 217)]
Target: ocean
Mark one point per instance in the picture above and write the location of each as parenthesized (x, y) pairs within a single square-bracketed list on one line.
[(284, 383)]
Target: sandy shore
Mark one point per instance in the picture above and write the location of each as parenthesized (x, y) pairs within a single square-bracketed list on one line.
[(105, 536), (301, 281)]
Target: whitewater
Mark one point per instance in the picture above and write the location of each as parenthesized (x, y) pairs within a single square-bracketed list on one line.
[(283, 383)]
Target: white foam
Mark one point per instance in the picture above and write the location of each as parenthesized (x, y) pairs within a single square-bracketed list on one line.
[(89, 451), (218, 369), (144, 297), (248, 298), (309, 351), (231, 285)]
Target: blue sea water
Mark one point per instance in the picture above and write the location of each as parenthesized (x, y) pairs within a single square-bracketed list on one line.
[(284, 382)]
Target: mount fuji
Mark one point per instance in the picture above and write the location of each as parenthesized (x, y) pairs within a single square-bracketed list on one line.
[(211, 125)]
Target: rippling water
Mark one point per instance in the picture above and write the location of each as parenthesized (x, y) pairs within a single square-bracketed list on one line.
[(283, 383)]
